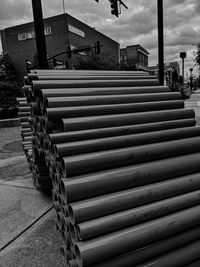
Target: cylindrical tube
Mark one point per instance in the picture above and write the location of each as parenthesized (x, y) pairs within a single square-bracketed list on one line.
[(54, 114), (130, 259), (179, 257), (61, 137), (99, 161), (73, 148), (96, 122), (54, 102), (37, 85), (90, 185), (128, 239), (120, 220), (61, 92), (98, 77), (127, 199)]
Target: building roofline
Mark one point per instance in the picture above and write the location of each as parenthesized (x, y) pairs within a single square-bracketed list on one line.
[(137, 45), (60, 15)]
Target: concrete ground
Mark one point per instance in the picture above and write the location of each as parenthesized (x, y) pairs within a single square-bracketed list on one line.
[(28, 237)]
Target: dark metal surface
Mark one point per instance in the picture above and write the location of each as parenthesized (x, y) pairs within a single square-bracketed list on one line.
[(98, 161), (96, 122), (54, 114), (128, 239), (91, 185)]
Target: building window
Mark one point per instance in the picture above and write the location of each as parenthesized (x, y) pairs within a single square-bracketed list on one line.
[(47, 30), (30, 35), (76, 31)]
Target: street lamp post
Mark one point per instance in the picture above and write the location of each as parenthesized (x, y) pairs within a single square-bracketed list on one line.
[(160, 42)]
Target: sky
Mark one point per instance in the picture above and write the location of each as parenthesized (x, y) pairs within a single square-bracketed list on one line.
[(136, 25)]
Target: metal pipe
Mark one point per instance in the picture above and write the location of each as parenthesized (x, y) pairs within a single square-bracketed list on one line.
[(24, 114), (73, 263), (103, 205), (153, 250), (37, 85), (194, 263), (54, 114), (98, 161), (120, 220), (88, 72), (60, 218), (24, 109), (84, 77), (73, 233), (94, 145), (23, 119), (35, 108), (90, 185), (49, 74), (96, 122), (179, 257), (54, 102), (61, 92), (61, 137), (24, 104), (128, 239), (25, 125), (26, 134)]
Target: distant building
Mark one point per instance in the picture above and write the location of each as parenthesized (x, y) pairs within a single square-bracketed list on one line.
[(19, 41), (134, 57)]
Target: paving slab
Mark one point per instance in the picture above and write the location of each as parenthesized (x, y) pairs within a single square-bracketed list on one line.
[(19, 209), (37, 247), (15, 172)]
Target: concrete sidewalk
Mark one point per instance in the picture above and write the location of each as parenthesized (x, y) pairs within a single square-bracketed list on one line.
[(28, 236)]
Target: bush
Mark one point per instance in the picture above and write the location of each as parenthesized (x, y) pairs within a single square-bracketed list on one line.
[(9, 86)]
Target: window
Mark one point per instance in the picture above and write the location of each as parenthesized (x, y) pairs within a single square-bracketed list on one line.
[(30, 35), (47, 30), (76, 31)]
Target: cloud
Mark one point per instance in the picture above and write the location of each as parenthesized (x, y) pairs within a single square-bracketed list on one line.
[(138, 24)]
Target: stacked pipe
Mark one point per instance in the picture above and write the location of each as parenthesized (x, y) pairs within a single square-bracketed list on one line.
[(123, 157), (24, 113)]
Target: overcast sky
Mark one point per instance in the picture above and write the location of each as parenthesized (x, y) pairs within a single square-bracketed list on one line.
[(137, 25)]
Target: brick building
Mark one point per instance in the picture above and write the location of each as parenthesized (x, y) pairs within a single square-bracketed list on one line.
[(60, 31), (134, 57)]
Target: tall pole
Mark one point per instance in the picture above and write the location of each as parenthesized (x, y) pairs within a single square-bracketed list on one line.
[(160, 42), (64, 6), (183, 71), (39, 34)]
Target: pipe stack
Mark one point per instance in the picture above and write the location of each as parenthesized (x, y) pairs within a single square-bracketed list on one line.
[(24, 113), (123, 157)]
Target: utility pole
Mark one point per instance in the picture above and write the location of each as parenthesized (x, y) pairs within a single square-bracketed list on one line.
[(160, 42), (39, 34)]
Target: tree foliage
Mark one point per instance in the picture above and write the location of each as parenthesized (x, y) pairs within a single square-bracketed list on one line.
[(9, 86), (93, 61), (197, 57)]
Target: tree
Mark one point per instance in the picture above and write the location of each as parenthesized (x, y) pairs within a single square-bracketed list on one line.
[(197, 56), (93, 61), (9, 86)]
